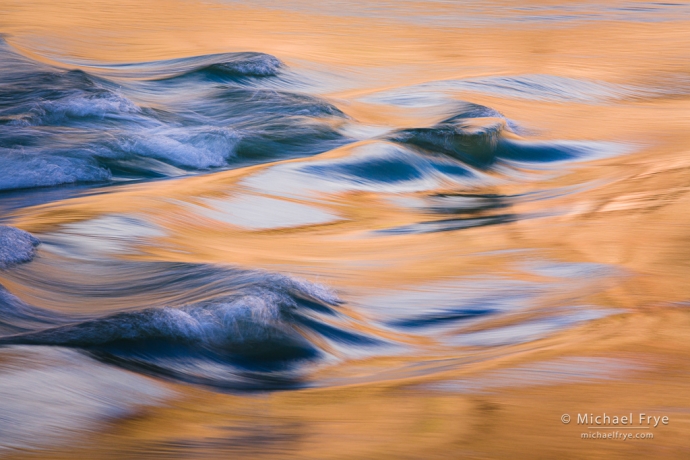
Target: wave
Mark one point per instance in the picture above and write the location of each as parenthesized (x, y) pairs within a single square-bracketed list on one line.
[(16, 247), (473, 141), (379, 164), (156, 119), (181, 116), (257, 336), (264, 331), (229, 65), (476, 147), (482, 137), (250, 330)]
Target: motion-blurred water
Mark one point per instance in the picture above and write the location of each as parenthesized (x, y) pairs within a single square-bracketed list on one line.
[(228, 228)]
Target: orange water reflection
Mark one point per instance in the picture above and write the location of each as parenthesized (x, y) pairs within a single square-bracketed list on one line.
[(628, 213)]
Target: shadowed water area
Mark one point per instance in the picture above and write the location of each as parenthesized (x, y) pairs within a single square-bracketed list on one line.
[(349, 230)]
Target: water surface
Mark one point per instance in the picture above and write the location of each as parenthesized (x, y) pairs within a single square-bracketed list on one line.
[(269, 230)]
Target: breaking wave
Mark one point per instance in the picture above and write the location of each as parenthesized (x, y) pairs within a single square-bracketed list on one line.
[(70, 126), (258, 332), (16, 246), (251, 330), (175, 117), (246, 329)]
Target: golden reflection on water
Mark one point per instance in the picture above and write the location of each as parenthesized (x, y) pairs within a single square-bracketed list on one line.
[(630, 215)]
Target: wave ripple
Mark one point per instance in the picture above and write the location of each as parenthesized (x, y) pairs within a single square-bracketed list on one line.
[(149, 120), (257, 336)]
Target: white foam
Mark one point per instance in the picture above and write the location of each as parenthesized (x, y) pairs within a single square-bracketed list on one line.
[(198, 148), (77, 106), (16, 246), (28, 170)]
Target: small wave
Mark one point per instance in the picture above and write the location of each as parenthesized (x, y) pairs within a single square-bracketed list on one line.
[(252, 330), (472, 135), (472, 140), (16, 246), (240, 325), (481, 137), (72, 108), (28, 169), (242, 64), (376, 165), (70, 126), (255, 338), (192, 148)]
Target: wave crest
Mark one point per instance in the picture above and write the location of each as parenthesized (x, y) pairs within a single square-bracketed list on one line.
[(264, 332), (152, 119), (16, 246)]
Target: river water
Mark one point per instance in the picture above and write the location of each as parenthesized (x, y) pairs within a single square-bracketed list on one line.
[(348, 229)]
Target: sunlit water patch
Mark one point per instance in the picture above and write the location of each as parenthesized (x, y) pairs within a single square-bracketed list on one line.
[(273, 228), (563, 371), (53, 397), (105, 298), (257, 212), (536, 87)]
